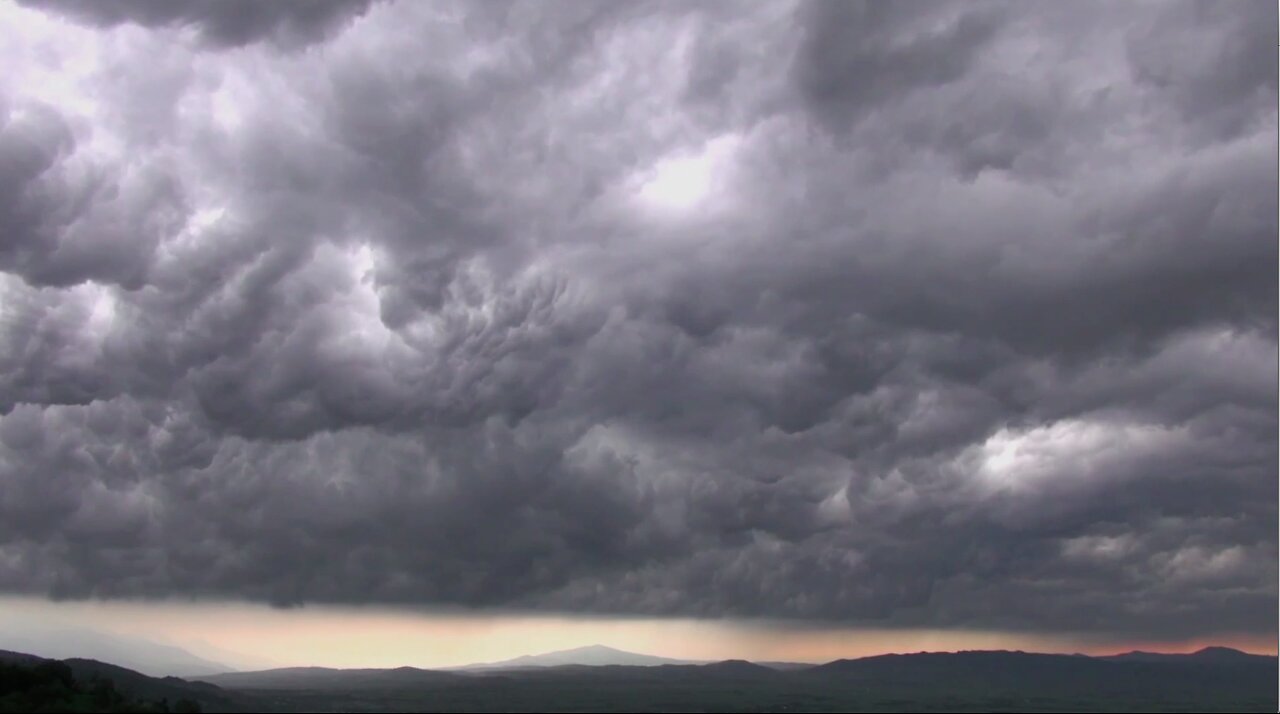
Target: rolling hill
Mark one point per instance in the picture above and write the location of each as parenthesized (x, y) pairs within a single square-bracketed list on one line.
[(139, 686)]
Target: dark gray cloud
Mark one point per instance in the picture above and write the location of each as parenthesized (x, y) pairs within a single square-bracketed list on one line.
[(1220, 79), (219, 23), (855, 56), (955, 315)]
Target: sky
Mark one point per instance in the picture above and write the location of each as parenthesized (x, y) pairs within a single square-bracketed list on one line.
[(782, 330)]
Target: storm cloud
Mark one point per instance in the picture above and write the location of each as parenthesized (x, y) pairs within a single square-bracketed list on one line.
[(220, 23), (920, 314)]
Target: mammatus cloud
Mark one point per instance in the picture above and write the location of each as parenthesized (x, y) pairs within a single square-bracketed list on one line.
[(954, 315)]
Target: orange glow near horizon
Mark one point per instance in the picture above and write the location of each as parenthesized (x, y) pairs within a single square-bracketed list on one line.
[(254, 636)]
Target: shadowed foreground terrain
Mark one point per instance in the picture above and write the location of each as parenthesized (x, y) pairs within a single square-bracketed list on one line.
[(1215, 679), (34, 684)]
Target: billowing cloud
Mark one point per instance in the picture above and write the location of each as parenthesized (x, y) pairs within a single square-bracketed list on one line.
[(219, 23), (945, 315)]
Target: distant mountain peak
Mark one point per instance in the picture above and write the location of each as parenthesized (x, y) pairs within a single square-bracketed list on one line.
[(1212, 651), (1217, 652), (737, 665), (596, 655), (1206, 655), (592, 649)]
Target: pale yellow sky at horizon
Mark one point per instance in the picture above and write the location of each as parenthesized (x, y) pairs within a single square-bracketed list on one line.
[(383, 637)]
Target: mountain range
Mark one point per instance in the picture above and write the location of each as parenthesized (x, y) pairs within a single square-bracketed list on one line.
[(1213, 679)]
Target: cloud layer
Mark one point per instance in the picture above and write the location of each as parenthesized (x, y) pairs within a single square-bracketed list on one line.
[(907, 313)]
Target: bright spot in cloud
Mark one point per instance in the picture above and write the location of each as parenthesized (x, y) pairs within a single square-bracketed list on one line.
[(1071, 448), (688, 180), (363, 332), (63, 58), (102, 314), (204, 218), (229, 103)]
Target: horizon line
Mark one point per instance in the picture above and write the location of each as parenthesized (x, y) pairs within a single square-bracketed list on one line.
[(681, 662)]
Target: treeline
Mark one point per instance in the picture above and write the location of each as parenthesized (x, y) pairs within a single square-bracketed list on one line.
[(50, 686)]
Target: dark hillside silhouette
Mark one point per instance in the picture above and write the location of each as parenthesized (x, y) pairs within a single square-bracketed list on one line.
[(51, 686)]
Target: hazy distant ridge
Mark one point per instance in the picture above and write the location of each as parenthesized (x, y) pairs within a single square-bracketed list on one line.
[(145, 656), (591, 656)]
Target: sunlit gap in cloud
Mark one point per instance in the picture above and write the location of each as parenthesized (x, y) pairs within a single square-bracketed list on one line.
[(685, 181)]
